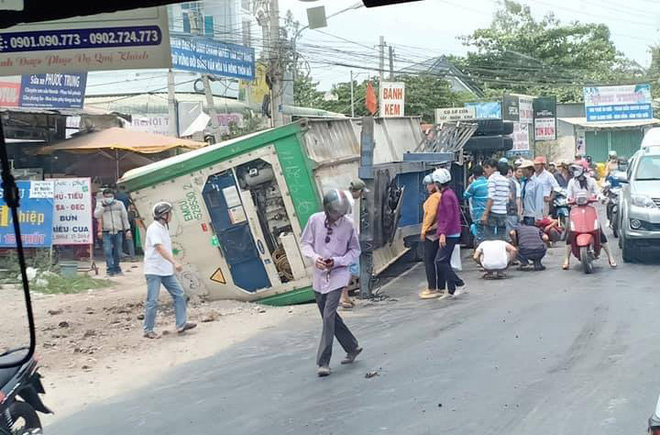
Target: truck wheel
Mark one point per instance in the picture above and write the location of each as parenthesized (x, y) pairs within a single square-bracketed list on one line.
[(587, 265)]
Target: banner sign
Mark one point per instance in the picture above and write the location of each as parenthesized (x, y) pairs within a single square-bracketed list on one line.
[(154, 124), (520, 137), (526, 110), (207, 56), (510, 108), (455, 114), (10, 91), (73, 212), (492, 110), (35, 216), (618, 103), (392, 99), (61, 91), (255, 91), (137, 38), (545, 118)]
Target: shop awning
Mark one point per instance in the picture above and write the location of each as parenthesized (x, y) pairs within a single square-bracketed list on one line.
[(582, 122), (121, 139)]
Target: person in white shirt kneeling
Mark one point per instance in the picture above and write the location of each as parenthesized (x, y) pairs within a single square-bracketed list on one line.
[(495, 256)]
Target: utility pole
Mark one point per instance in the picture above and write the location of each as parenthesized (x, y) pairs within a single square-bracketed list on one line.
[(210, 104), (391, 62), (381, 59), (173, 119), (367, 207), (208, 92), (352, 97), (276, 73)]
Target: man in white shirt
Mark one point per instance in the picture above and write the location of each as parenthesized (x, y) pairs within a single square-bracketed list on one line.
[(494, 256), (547, 180), (159, 267), (494, 217)]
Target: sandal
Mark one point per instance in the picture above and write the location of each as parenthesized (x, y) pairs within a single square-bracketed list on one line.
[(612, 263)]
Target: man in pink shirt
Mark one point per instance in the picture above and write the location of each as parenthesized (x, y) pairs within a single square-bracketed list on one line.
[(330, 241)]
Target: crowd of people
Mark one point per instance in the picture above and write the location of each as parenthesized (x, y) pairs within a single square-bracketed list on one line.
[(511, 209), (513, 221)]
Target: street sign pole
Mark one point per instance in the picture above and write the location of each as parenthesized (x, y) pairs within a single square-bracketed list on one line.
[(366, 207)]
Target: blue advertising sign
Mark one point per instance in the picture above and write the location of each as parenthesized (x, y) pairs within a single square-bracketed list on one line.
[(618, 103), (490, 110), (35, 216), (206, 56), (58, 91)]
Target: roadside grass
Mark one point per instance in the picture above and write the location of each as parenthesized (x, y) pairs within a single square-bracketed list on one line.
[(55, 284), (60, 285)]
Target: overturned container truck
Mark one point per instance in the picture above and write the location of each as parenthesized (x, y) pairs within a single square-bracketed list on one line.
[(240, 206)]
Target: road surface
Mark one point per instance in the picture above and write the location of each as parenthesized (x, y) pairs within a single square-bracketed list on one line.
[(540, 352)]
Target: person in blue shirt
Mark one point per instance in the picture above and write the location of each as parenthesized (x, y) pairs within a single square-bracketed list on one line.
[(477, 195)]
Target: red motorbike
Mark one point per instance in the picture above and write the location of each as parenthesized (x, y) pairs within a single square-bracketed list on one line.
[(585, 231)]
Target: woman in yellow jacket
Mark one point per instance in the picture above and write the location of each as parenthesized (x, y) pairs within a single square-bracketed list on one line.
[(430, 238)]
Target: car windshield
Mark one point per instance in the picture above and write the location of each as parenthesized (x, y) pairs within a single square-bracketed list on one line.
[(648, 169)]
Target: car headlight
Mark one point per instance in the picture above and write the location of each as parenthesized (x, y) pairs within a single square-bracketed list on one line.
[(635, 224), (642, 201)]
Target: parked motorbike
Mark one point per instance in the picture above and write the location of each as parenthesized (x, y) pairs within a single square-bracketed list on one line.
[(611, 194), (585, 229), (562, 209), (20, 388)]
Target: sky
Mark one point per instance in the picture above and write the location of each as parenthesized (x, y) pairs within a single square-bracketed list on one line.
[(431, 28)]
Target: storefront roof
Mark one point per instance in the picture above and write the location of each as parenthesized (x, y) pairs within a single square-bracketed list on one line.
[(582, 122)]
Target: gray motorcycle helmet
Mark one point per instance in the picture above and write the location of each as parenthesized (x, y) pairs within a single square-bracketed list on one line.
[(161, 209), (336, 203)]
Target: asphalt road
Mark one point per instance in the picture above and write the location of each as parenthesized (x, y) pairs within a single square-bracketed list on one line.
[(539, 352)]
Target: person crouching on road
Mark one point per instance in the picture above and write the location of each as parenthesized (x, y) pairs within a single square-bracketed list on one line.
[(494, 256), (429, 238), (330, 241), (449, 234), (531, 243), (159, 267)]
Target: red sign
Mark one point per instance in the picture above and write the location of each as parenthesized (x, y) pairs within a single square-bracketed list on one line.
[(10, 94)]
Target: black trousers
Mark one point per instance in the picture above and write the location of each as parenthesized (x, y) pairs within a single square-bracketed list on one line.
[(430, 251), (533, 255), (446, 275), (333, 326)]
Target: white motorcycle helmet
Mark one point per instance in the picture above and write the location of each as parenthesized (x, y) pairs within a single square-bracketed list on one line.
[(577, 170), (428, 180), (441, 176)]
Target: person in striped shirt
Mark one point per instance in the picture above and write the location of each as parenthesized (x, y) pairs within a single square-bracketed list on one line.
[(494, 217), (477, 194)]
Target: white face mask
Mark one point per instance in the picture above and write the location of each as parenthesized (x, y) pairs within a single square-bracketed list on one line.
[(108, 200)]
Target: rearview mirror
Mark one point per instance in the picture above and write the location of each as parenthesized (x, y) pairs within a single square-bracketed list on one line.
[(620, 176)]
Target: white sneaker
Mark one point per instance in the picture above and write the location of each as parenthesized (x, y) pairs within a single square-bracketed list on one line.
[(460, 291)]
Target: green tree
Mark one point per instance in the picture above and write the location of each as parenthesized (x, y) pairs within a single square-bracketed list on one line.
[(519, 53), (424, 94)]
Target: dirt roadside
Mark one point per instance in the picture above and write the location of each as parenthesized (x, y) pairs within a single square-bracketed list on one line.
[(91, 346)]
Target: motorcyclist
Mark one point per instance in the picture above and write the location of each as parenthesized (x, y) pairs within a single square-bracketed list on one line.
[(583, 183), (612, 164)]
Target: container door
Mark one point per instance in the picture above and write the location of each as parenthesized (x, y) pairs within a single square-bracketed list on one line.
[(232, 229)]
